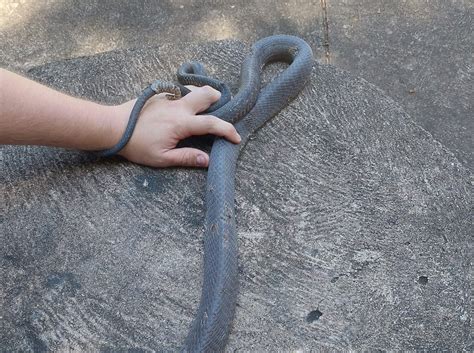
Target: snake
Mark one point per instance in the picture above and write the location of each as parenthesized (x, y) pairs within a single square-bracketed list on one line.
[(251, 107)]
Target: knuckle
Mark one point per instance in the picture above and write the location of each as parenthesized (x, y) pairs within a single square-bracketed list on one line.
[(176, 157), (165, 161), (187, 158), (231, 127), (180, 123), (228, 128), (208, 90), (211, 93), (209, 122)]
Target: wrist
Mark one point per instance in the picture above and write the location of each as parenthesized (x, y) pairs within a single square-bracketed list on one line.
[(114, 121)]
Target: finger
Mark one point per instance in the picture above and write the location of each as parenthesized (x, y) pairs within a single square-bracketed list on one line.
[(200, 99), (186, 157), (209, 124)]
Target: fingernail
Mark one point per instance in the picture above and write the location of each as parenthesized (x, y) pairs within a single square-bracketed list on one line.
[(201, 160)]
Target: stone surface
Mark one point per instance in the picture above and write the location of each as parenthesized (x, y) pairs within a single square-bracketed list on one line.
[(354, 227), (34, 32), (418, 52)]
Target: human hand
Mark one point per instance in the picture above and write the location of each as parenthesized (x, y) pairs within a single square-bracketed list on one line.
[(163, 123)]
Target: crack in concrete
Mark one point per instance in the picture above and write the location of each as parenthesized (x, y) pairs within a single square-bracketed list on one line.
[(327, 52)]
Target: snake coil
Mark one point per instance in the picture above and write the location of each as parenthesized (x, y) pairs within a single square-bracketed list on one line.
[(251, 107)]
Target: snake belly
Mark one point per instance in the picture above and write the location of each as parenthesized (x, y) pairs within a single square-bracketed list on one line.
[(248, 110)]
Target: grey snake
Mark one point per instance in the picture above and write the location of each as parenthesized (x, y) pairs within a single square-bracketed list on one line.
[(251, 108)]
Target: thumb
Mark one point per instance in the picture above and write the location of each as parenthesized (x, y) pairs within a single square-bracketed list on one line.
[(186, 157)]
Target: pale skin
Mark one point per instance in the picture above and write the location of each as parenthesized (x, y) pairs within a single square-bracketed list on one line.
[(33, 114)]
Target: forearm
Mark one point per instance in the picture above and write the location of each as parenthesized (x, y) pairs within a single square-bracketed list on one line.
[(33, 114)]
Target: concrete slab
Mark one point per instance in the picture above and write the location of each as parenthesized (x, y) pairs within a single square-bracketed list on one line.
[(35, 32), (354, 227), (419, 52)]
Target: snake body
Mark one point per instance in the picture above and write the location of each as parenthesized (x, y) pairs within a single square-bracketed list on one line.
[(248, 110)]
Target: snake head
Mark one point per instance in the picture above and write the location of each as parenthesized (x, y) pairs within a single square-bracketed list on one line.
[(173, 92)]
